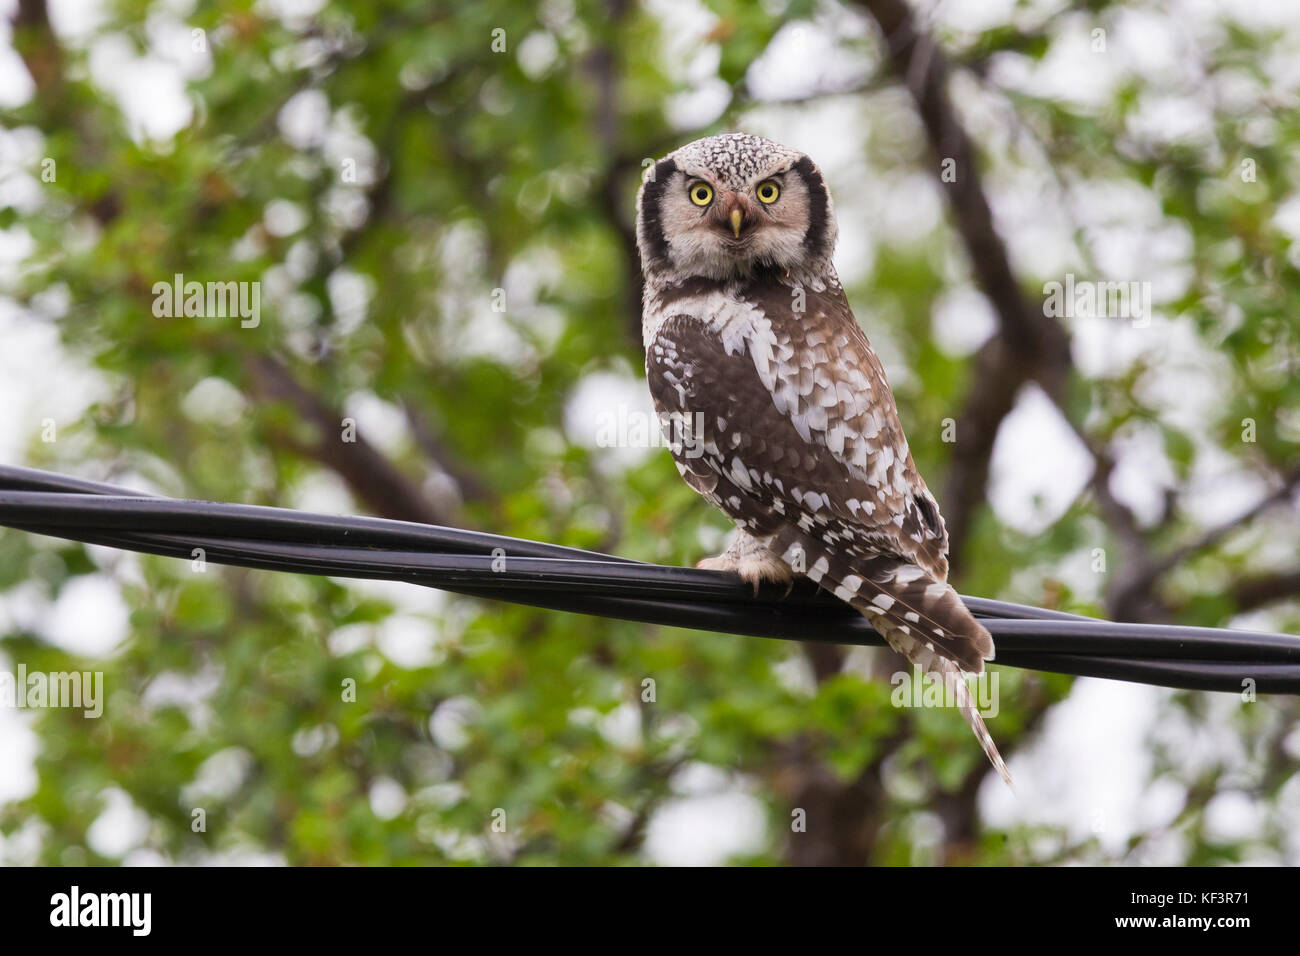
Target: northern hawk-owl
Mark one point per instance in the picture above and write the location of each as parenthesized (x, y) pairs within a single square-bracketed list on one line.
[(750, 341)]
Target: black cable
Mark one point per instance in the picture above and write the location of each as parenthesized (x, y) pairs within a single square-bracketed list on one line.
[(552, 576)]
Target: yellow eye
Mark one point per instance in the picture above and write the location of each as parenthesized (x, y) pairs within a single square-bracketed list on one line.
[(701, 194), (768, 191)]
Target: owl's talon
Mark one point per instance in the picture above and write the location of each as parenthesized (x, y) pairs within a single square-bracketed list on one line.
[(752, 565), (718, 563)]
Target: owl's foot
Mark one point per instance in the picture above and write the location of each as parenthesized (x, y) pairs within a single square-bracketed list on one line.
[(752, 562)]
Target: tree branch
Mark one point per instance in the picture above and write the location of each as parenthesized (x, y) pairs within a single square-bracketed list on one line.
[(1255, 592), (370, 476), (468, 483)]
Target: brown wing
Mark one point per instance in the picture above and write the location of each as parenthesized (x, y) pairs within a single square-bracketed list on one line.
[(751, 461), (780, 440), (798, 408)]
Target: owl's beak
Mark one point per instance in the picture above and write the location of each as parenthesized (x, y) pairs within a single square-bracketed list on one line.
[(732, 210)]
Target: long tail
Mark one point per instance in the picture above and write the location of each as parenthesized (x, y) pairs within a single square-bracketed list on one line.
[(920, 616)]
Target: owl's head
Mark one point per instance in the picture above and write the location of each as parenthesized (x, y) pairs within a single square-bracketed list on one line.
[(727, 206)]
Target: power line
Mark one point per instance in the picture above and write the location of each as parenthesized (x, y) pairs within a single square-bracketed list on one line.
[(568, 579)]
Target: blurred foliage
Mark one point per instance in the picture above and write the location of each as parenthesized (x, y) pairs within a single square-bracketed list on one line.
[(382, 170)]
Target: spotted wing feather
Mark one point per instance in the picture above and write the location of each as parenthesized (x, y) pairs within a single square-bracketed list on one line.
[(801, 446)]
